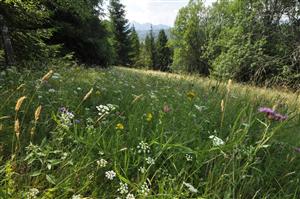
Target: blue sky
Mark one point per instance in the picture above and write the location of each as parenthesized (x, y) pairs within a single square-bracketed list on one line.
[(155, 11)]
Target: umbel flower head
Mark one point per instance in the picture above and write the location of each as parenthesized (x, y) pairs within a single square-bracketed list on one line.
[(272, 114)]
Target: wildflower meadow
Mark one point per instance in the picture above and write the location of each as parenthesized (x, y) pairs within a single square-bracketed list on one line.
[(121, 133)]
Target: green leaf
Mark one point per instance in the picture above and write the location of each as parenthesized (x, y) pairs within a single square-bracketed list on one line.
[(36, 173), (50, 179)]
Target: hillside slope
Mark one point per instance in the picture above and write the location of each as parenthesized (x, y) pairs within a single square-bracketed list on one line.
[(141, 134)]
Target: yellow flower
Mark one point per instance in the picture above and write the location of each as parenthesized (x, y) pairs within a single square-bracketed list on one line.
[(191, 95), (119, 126), (149, 117)]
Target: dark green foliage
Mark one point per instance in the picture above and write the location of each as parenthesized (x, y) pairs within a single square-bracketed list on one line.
[(135, 46), (163, 51), (151, 50), (26, 22), (189, 39), (44, 29), (78, 27), (249, 41), (121, 32)]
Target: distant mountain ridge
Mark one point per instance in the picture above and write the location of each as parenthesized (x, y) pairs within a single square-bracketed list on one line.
[(143, 29), (147, 26)]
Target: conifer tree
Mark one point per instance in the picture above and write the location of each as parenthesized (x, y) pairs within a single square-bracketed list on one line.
[(121, 32), (151, 49), (135, 46), (163, 51)]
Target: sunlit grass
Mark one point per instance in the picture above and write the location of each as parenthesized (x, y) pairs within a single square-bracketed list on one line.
[(136, 133)]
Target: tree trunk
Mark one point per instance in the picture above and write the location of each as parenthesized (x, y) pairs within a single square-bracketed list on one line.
[(9, 53)]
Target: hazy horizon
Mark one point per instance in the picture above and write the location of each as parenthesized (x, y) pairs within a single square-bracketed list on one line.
[(155, 12)]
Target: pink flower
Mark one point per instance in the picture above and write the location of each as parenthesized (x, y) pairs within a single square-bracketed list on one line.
[(166, 109), (272, 114)]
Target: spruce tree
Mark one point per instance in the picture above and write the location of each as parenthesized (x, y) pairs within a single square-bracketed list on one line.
[(163, 51), (121, 32), (135, 46), (151, 49)]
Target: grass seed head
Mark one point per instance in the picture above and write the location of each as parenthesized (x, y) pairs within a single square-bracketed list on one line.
[(17, 128), (37, 113), (47, 76), (19, 103), (32, 131)]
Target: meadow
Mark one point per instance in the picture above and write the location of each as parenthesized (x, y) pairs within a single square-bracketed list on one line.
[(72, 132)]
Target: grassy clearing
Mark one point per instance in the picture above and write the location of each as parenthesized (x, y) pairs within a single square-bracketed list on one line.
[(156, 136)]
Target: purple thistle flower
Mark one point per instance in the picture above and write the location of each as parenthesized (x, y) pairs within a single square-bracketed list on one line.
[(297, 150), (266, 110), (279, 117), (272, 114)]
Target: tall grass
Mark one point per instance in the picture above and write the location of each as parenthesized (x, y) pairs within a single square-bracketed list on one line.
[(155, 136)]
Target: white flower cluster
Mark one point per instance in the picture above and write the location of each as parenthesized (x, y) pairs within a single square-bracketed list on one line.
[(144, 189), (216, 141), (110, 175), (142, 170), (66, 117), (77, 197), (91, 176), (101, 163), (191, 188), (105, 109), (143, 147), (130, 196), (51, 90), (56, 76), (188, 157), (150, 161), (33, 192), (64, 156), (123, 188)]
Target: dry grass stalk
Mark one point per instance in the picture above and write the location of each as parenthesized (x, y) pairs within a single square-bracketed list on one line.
[(229, 84), (21, 86), (137, 98), (19, 103), (88, 94), (4, 117), (47, 76), (222, 106)]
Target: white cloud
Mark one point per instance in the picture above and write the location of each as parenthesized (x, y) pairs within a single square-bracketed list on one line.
[(155, 11)]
